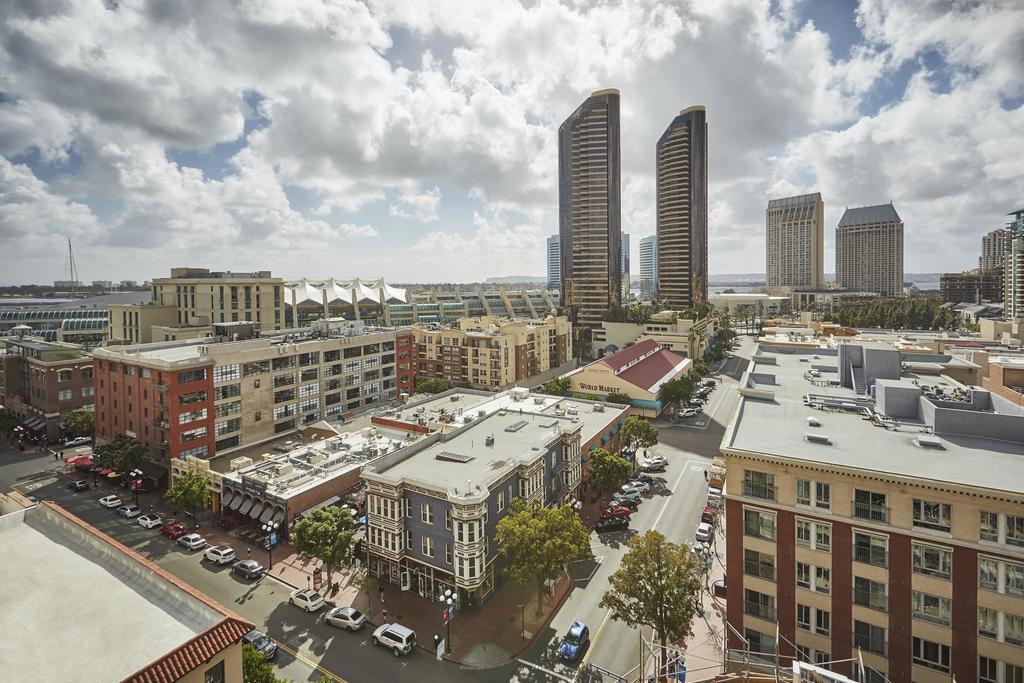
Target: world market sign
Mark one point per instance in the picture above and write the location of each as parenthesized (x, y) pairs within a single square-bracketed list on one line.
[(599, 387)]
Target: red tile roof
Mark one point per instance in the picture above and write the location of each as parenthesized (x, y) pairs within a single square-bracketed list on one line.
[(629, 354), (650, 370), (178, 663)]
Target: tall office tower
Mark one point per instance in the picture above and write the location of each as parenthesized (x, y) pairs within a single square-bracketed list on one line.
[(554, 263), (795, 242), (682, 178), (588, 209), (649, 266), (1013, 273), (869, 250), (994, 246), (625, 265)]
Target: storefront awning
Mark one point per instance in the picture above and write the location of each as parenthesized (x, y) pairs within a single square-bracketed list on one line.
[(604, 438), (227, 498), (268, 512), (236, 502), (246, 506), (257, 508), (79, 460), (615, 430), (278, 516)]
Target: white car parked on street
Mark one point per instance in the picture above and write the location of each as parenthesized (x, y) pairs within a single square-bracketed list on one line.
[(110, 501), (348, 618), (221, 554), (192, 541), (306, 598), (703, 532), (638, 486), (150, 521)]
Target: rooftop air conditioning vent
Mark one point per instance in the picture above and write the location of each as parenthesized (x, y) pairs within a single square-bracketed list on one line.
[(819, 438), (516, 426), (599, 408), (453, 398), (927, 441), (489, 441), (448, 456), (538, 401), (813, 422)]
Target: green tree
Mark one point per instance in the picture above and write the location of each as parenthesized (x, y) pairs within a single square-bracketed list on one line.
[(256, 668), (656, 585), (539, 541), (190, 491), (80, 423), (557, 386), (608, 470), (431, 385), (621, 399), (637, 433), (676, 392), (120, 453), (327, 534)]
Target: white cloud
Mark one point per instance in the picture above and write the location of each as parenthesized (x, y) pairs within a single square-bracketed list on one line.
[(350, 230), (420, 206)]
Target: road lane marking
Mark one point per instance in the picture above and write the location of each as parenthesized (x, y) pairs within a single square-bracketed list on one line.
[(593, 642), (306, 660), (538, 667)]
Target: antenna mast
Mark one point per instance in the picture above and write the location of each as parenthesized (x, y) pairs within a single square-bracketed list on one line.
[(72, 272)]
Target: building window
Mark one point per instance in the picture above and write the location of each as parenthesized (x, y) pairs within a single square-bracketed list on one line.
[(448, 519), (868, 593), (227, 391), (501, 501), (759, 484), (930, 608), (427, 546), (988, 574), (192, 416), (1014, 578), (870, 549), (931, 560), (870, 505), (1013, 629), (408, 539), (197, 452), (426, 513), (758, 564), (759, 524), (988, 622), (931, 515), (759, 642), (193, 434), (869, 637), (822, 494), (88, 391), (63, 376), (192, 376), (215, 674), (87, 373), (814, 535), (64, 395), (931, 655), (803, 617), (448, 553), (822, 622), (988, 670), (224, 373), (988, 528), (759, 605), (821, 581), (146, 373), (1014, 530)]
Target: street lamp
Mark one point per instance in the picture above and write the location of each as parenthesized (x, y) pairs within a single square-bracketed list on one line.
[(133, 477), (269, 528), (448, 599), (522, 615)]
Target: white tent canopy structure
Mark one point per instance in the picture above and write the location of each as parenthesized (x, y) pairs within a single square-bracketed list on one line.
[(354, 292)]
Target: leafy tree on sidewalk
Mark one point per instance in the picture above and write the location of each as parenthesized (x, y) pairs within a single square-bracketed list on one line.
[(327, 534), (121, 453), (677, 392), (637, 434), (433, 385), (621, 399), (80, 423), (557, 386), (539, 541), (256, 668), (656, 585), (608, 470), (190, 491)]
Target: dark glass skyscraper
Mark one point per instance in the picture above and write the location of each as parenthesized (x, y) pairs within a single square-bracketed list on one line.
[(588, 208), (682, 189)]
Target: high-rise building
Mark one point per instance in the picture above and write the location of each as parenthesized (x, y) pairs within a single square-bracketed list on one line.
[(795, 242), (972, 286), (1013, 273), (554, 263), (588, 209), (625, 265), (869, 250), (682, 191), (994, 246), (896, 542), (649, 266)]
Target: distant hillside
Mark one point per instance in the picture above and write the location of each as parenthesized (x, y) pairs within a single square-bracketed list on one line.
[(514, 279)]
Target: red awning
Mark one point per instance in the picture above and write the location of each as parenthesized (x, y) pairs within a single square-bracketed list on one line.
[(80, 460)]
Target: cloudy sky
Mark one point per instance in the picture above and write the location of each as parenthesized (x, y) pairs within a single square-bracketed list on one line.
[(417, 140)]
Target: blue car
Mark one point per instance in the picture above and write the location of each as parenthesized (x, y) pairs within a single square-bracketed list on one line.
[(574, 642)]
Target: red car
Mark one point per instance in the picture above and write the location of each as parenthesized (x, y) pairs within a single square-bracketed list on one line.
[(615, 511), (173, 531), (708, 515)]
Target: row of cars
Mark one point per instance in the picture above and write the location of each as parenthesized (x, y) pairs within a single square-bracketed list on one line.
[(395, 637), (700, 397), (627, 499)]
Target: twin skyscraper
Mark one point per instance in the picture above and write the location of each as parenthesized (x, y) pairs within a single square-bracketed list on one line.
[(589, 209)]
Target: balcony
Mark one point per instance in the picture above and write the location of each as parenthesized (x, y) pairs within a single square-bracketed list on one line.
[(160, 387), (870, 512)]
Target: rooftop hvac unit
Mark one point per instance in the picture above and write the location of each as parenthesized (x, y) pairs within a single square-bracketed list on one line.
[(538, 401), (599, 408), (818, 438), (572, 411), (453, 398), (283, 469), (813, 422), (481, 413), (489, 441), (926, 441)]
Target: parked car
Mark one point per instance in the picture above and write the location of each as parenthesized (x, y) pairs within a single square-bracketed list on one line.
[(173, 530), (574, 642), (629, 503), (696, 402), (192, 541), (638, 486), (78, 485), (306, 598), (730, 355), (248, 569), (703, 532), (110, 501), (689, 412), (714, 493), (348, 618), (646, 478), (654, 466), (149, 521), (129, 511), (708, 515), (616, 511), (262, 643), (606, 524), (398, 638), (77, 441), (221, 554), (631, 494)]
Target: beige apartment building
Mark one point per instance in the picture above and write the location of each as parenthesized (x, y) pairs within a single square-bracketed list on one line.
[(186, 304), (795, 242), (994, 246), (490, 352), (672, 332), (875, 514), (869, 250)]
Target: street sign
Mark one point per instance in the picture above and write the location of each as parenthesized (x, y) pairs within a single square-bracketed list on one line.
[(273, 538), (440, 650), (318, 578), (444, 616)]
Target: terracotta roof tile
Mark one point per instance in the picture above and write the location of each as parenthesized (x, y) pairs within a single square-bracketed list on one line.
[(193, 654), (647, 372), (629, 354)]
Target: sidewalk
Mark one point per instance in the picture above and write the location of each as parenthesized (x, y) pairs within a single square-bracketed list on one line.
[(704, 648)]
